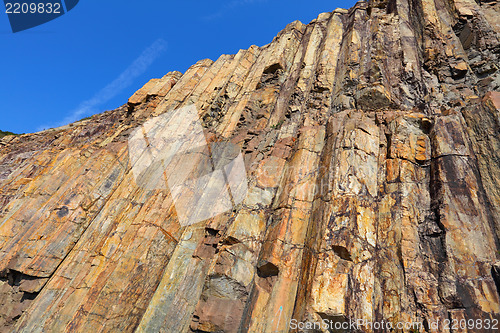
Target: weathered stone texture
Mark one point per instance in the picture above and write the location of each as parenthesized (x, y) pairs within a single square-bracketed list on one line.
[(372, 147)]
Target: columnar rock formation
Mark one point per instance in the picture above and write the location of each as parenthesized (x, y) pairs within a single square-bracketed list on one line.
[(371, 142)]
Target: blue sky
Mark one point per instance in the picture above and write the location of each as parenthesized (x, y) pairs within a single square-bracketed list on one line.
[(97, 55)]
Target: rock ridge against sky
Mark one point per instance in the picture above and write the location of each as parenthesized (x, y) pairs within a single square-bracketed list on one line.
[(370, 139)]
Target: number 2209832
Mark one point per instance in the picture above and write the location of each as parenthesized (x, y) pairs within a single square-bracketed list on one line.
[(32, 8)]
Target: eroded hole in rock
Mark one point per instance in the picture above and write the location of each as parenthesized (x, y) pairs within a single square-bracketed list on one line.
[(270, 75), (267, 270), (267, 274), (342, 252), (273, 68), (211, 232), (426, 125)]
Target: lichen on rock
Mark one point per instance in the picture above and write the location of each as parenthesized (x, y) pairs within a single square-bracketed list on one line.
[(370, 139)]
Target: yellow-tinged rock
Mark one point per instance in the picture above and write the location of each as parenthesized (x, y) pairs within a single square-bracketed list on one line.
[(372, 175)]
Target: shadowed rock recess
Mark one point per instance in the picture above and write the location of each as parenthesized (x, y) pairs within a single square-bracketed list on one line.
[(372, 147)]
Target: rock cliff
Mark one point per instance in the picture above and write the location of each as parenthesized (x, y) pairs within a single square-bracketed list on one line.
[(371, 142)]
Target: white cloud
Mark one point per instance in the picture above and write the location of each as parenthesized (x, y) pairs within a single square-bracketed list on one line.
[(124, 80)]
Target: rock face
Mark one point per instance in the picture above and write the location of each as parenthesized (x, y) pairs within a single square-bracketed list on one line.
[(371, 140)]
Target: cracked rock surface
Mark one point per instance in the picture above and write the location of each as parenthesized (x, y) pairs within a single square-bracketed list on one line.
[(371, 140)]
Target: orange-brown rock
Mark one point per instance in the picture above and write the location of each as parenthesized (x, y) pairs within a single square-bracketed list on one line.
[(371, 143)]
